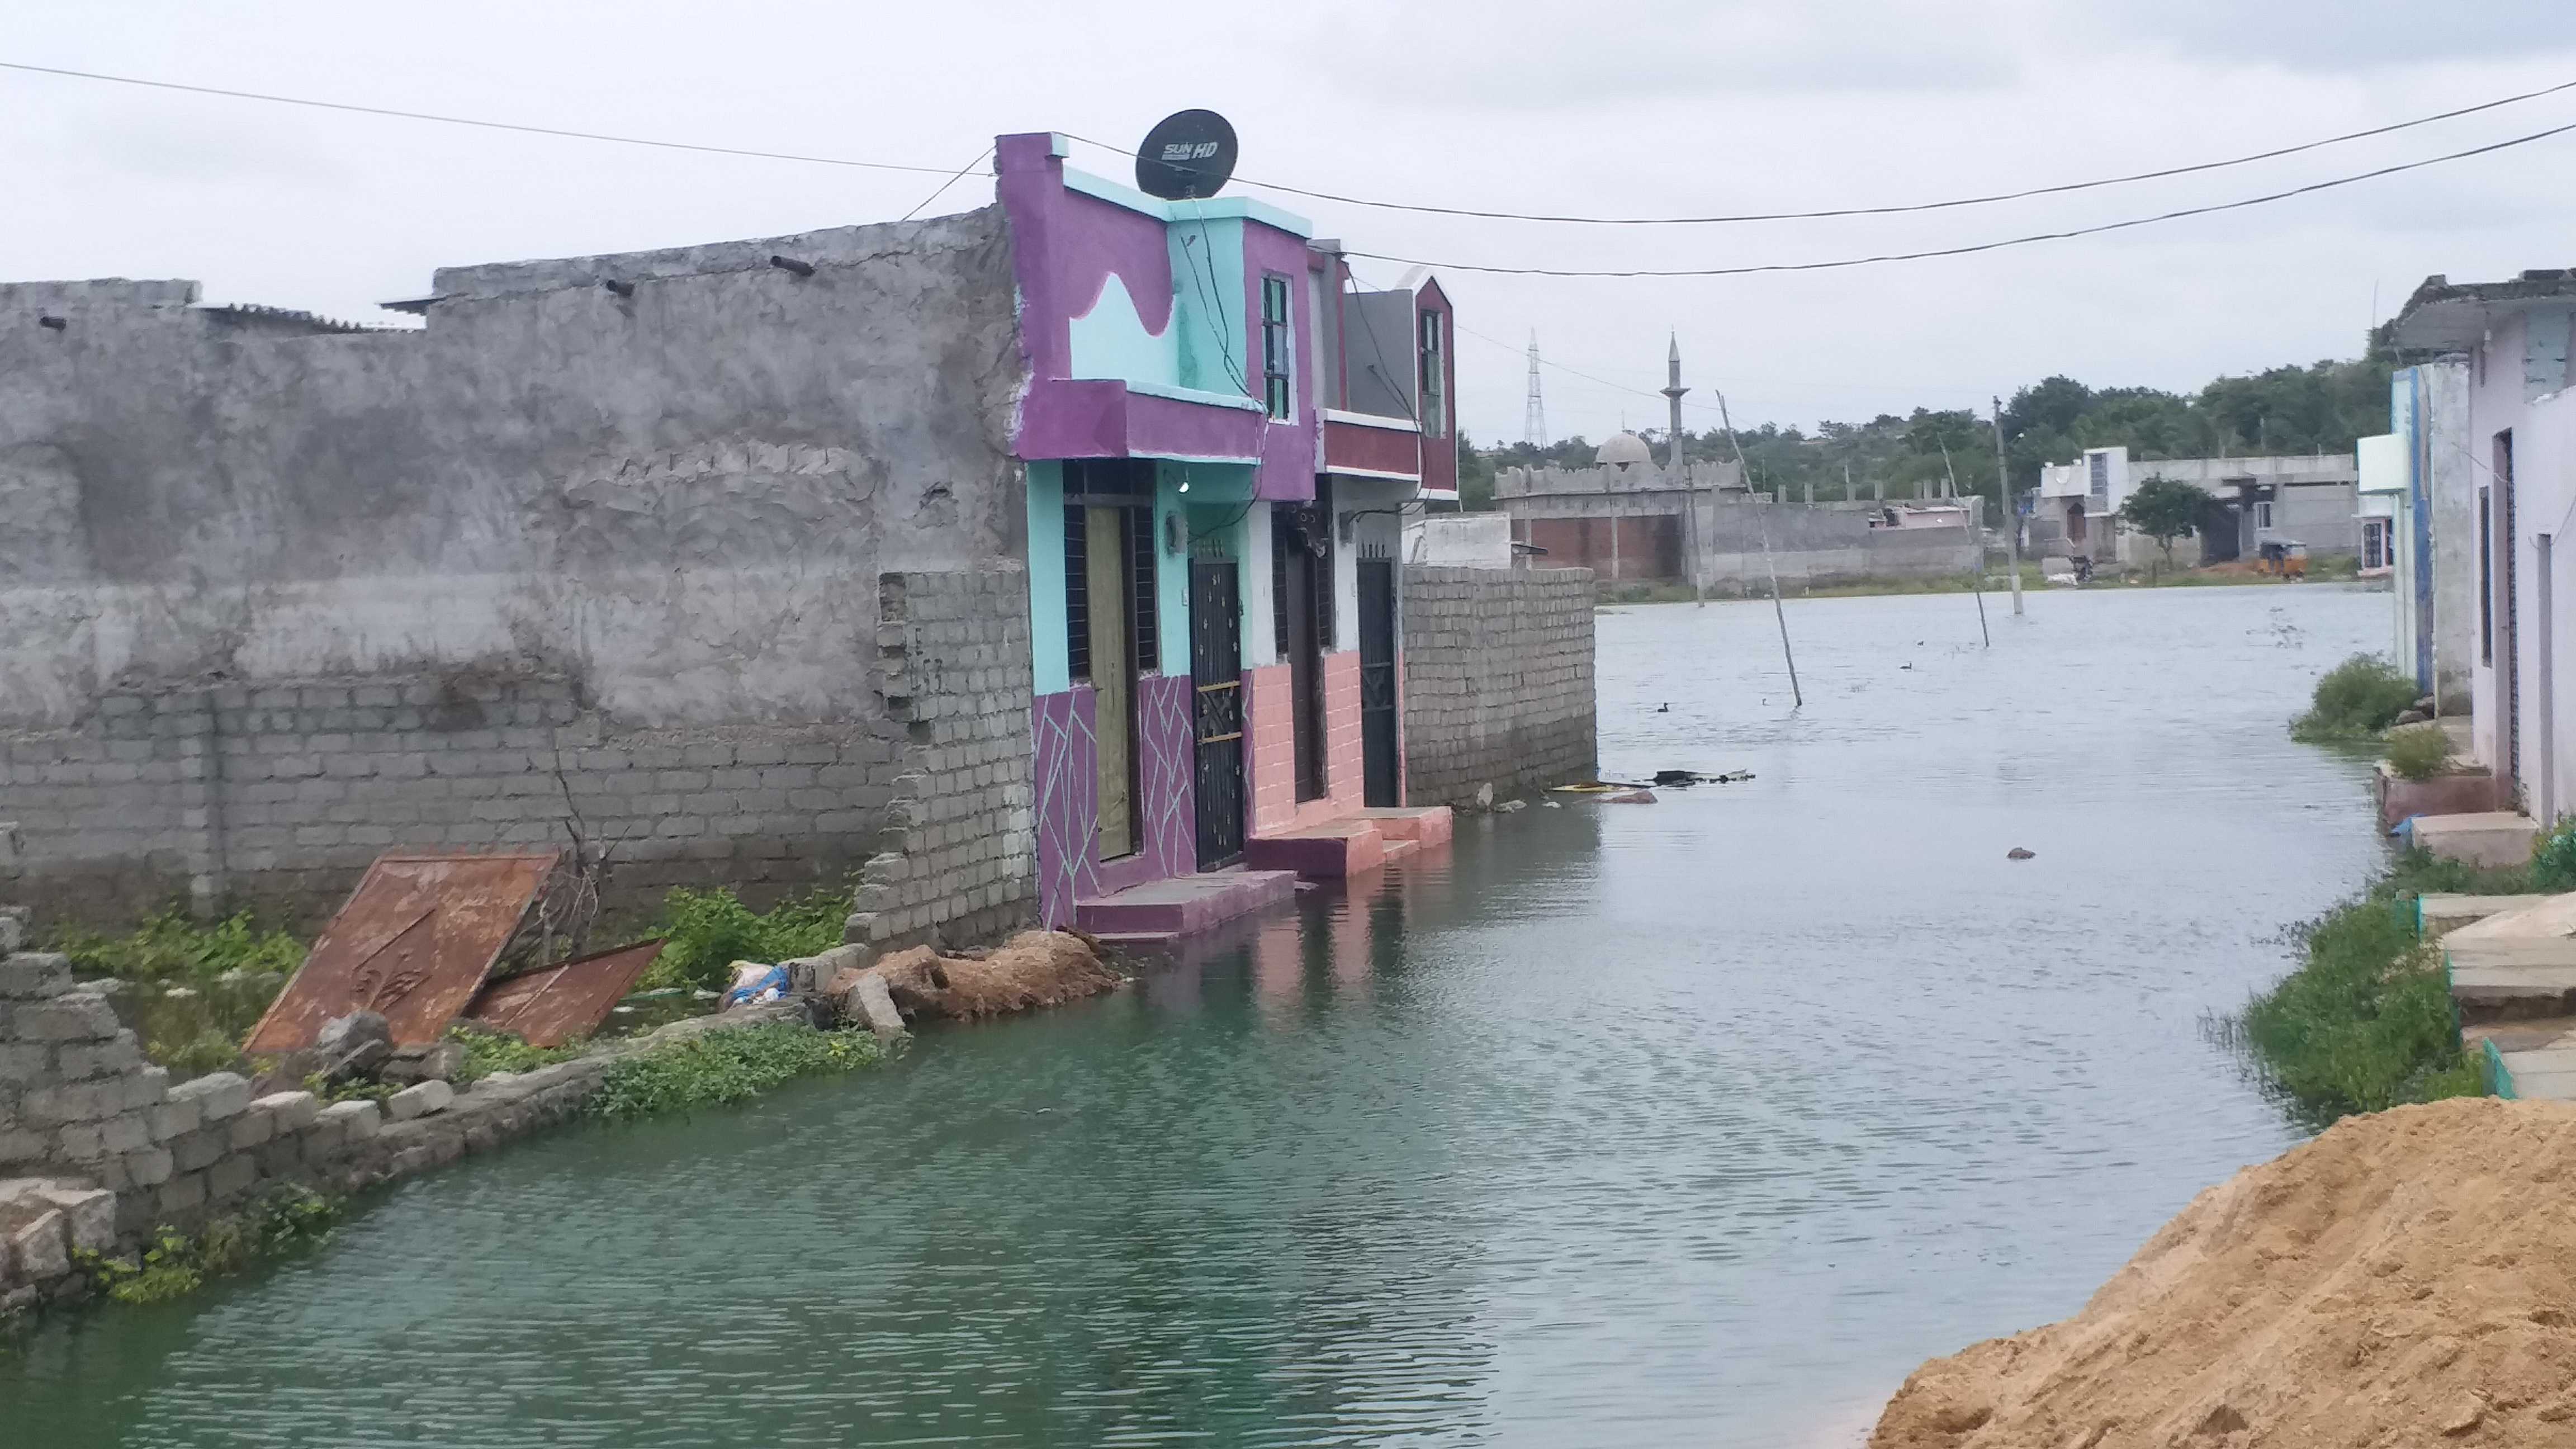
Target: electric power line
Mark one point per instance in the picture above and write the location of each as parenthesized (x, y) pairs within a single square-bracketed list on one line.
[(161, 85), (1958, 251), (1893, 210)]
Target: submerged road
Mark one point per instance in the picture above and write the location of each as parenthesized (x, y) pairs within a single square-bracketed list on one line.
[(1699, 1122)]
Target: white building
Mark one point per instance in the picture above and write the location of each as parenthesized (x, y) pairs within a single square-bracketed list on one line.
[(2253, 501), (2518, 436)]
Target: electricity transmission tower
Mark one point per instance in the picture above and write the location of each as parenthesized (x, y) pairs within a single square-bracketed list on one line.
[(1534, 422)]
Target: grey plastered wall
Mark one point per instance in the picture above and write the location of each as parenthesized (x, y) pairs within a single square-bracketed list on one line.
[(1498, 681), (955, 675), (654, 521)]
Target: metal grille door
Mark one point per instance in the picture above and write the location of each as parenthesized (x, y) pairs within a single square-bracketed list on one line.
[(1216, 669), (1377, 681)]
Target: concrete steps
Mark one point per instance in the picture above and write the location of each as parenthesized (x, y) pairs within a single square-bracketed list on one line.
[(1349, 844), (2436, 916), (1164, 910), (2534, 1060), (2517, 964), (2494, 839)]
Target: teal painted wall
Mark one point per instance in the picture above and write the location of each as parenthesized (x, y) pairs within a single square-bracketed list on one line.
[(1110, 340), (1047, 626), (1208, 327), (1171, 571)]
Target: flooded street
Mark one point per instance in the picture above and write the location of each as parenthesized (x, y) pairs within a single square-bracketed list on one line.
[(1699, 1122)]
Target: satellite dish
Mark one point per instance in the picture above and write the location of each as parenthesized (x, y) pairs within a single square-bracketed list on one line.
[(1188, 154)]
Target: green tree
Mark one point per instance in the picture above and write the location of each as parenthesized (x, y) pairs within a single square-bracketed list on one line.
[(2164, 509)]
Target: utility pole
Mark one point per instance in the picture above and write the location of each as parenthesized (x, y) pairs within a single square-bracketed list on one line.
[(2012, 515), (1797, 696), (1534, 422)]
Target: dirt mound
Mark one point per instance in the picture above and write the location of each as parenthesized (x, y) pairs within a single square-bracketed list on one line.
[(1033, 968), (2408, 1278)]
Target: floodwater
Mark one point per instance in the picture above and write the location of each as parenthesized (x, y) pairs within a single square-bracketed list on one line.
[(1695, 1123)]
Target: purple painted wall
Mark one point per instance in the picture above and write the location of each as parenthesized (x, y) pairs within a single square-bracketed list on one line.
[(1068, 801), (1065, 246)]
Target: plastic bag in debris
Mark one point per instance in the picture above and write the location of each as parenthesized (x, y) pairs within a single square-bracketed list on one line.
[(753, 983)]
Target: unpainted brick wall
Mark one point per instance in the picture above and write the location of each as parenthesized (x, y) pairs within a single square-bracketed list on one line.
[(281, 795), (1498, 683), (954, 672)]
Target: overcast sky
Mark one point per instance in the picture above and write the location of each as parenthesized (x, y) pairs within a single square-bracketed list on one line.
[(1609, 106)]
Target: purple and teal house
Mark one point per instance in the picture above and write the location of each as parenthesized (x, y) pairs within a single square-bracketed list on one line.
[(1221, 434)]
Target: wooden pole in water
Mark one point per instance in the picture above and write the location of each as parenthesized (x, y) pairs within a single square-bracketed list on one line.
[(1977, 580), (1798, 698), (2012, 517)]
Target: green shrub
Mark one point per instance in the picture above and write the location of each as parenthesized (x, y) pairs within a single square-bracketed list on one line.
[(719, 1068), (171, 950), (2419, 752), (176, 1265), (2365, 1023), (487, 1052), (2355, 700), (709, 930), (2553, 859)]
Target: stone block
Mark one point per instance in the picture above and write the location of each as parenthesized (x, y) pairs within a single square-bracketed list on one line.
[(150, 1167), (79, 1142), (291, 1111), (22, 1062), (80, 1017), (89, 1215), (280, 1156), (184, 1192), (123, 1133), (172, 1118), (34, 975), (231, 1177), (101, 1059), (217, 1095), (194, 1151), (354, 1121), (22, 1144), (41, 1251), (149, 1087), (419, 1101), (251, 1128)]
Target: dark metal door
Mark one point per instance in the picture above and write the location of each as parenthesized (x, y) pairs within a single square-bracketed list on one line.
[(1377, 681), (1216, 669)]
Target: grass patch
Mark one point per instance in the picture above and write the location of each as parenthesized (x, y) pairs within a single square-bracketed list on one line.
[(2366, 1023), (192, 991), (2419, 752), (720, 1068), (2355, 700), (176, 1265), (487, 1052), (709, 930)]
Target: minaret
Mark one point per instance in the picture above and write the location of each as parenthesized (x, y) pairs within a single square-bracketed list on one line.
[(1673, 391), (1534, 417)]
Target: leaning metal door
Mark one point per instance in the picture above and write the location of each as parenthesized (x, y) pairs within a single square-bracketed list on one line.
[(1216, 671), (1377, 678)]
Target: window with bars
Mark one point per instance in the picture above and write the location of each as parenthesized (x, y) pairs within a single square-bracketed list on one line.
[(1435, 392), (1141, 613), (1274, 346), (1077, 591), (1137, 564)]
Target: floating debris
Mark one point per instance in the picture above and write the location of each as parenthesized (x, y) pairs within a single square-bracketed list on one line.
[(2017, 853)]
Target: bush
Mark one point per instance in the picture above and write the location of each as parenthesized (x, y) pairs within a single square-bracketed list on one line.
[(2553, 860), (169, 949), (487, 1052), (720, 1068), (2419, 752), (2355, 700), (709, 930), (175, 1265), (2365, 1023)]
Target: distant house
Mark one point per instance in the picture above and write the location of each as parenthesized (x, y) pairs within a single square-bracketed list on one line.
[(2252, 501)]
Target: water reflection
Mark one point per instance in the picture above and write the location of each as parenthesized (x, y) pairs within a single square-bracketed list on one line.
[(1699, 1122)]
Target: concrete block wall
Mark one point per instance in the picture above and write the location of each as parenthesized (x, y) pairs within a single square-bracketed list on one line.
[(954, 674), (281, 794), (1498, 681)]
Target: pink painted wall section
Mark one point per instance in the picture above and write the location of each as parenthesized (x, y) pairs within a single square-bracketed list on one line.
[(1271, 733)]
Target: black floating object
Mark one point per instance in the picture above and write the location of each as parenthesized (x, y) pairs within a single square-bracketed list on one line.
[(1188, 154), (2017, 853), (617, 288), (790, 264), (52, 324)]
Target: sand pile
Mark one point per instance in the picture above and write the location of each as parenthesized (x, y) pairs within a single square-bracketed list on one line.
[(2409, 1278), (1033, 968)]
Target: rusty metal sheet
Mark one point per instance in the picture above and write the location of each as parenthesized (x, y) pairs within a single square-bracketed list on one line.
[(414, 943), (550, 1007)]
